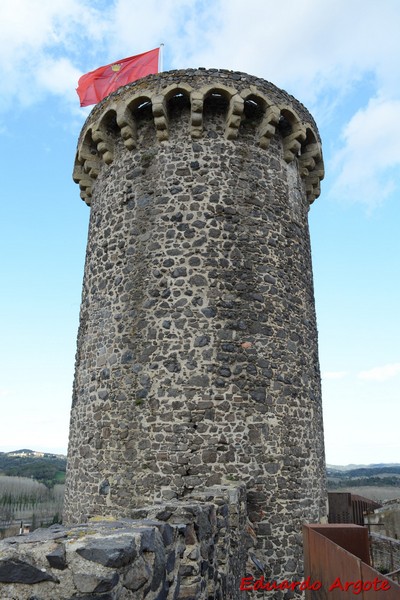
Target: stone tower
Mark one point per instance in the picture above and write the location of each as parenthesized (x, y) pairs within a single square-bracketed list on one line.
[(197, 354)]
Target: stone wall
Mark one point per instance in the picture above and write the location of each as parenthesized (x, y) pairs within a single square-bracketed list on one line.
[(197, 352), (385, 554), (193, 549), (386, 520)]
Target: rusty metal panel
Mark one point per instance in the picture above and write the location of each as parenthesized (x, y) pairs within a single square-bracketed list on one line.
[(334, 562), (369, 574), (319, 565), (307, 556), (339, 507), (341, 573), (352, 538), (349, 508)]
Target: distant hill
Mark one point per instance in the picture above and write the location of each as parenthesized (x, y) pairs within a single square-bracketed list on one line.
[(363, 475), (33, 454), (42, 466), (351, 467)]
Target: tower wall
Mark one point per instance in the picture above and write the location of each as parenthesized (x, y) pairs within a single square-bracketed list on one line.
[(197, 348)]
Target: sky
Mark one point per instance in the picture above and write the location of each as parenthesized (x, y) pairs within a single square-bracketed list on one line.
[(338, 57)]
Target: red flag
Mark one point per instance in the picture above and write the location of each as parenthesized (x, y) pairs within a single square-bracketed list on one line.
[(96, 85)]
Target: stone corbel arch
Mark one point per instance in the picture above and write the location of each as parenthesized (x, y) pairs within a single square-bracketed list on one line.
[(88, 156), (313, 181), (292, 142), (128, 121), (311, 164), (234, 117), (221, 89), (103, 135), (87, 166), (84, 180), (235, 109), (127, 125), (311, 153), (267, 128), (175, 89)]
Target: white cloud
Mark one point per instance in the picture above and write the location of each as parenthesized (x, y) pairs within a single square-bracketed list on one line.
[(58, 76), (333, 375), (381, 373), (160, 22), (371, 149), (36, 36)]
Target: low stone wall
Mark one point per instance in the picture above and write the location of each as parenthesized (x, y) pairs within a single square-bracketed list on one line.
[(386, 520), (195, 549), (385, 553)]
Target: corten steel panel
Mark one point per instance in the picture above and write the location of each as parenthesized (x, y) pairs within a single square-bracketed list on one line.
[(315, 561), (369, 574), (352, 538), (371, 504), (339, 507), (306, 551), (334, 566), (349, 508), (329, 561)]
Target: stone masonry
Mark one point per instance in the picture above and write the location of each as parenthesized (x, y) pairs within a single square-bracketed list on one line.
[(195, 548), (197, 354)]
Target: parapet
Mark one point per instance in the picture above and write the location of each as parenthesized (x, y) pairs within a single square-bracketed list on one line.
[(190, 549), (246, 100)]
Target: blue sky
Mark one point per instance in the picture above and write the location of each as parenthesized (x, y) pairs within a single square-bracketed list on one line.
[(339, 57)]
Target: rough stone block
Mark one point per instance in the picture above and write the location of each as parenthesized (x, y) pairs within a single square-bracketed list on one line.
[(110, 551), (14, 570)]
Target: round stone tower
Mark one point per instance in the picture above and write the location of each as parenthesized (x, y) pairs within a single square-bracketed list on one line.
[(197, 354)]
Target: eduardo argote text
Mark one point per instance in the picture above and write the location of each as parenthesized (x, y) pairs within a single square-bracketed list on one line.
[(249, 584)]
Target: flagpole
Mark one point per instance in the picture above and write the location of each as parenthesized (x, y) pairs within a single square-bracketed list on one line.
[(161, 58)]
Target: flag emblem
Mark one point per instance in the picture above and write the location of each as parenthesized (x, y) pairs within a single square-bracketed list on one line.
[(96, 85)]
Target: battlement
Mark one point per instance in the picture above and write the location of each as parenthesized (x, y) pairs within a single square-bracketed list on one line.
[(244, 102)]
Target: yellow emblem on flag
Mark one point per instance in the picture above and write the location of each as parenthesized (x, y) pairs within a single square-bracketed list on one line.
[(116, 68)]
